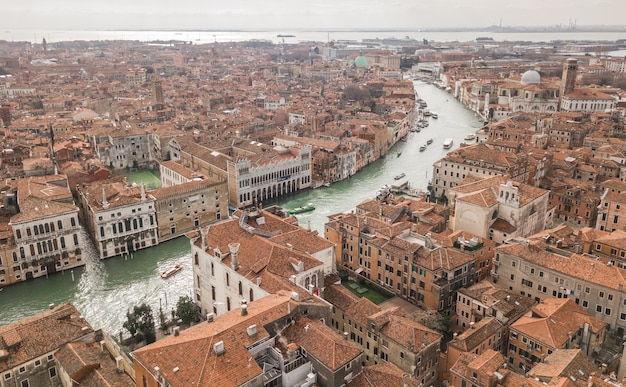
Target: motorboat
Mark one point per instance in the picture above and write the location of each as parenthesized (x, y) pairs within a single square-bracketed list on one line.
[(400, 176), (470, 137), (171, 271), (422, 148), (447, 143), (434, 115), (429, 141), (299, 210)]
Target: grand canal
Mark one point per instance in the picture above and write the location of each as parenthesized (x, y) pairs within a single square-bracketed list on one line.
[(104, 290)]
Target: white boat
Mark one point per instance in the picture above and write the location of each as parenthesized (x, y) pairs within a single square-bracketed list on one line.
[(400, 176), (434, 115), (469, 137), (171, 271), (427, 113), (422, 148), (447, 144)]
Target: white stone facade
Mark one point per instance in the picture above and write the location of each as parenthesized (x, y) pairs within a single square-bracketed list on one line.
[(250, 182)]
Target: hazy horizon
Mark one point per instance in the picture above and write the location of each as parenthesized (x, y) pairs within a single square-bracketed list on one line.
[(196, 15)]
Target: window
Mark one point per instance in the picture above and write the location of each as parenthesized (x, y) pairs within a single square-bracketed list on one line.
[(585, 304), (607, 311), (601, 294), (25, 383), (22, 370), (52, 372), (7, 376), (37, 363), (598, 308)]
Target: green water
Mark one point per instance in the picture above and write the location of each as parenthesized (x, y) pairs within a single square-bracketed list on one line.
[(104, 290)]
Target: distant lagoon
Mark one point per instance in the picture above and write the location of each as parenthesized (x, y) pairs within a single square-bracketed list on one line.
[(222, 36)]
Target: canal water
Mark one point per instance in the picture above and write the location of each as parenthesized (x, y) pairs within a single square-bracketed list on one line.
[(455, 121), (103, 291)]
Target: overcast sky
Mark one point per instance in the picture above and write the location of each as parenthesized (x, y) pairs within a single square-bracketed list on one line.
[(286, 14)]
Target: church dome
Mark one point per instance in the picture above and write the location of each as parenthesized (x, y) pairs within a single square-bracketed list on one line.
[(531, 77), (360, 60)]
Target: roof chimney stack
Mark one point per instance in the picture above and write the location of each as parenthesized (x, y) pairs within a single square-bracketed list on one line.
[(234, 252), (204, 232)]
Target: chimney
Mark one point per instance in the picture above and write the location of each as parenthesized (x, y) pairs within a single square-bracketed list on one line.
[(308, 225), (176, 331), (471, 325), (105, 204), (204, 232), (234, 252), (244, 309)]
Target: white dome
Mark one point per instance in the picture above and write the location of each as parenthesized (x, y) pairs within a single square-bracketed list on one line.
[(531, 77)]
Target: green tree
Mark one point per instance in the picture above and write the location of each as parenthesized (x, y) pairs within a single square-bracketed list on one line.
[(141, 321), (187, 310)]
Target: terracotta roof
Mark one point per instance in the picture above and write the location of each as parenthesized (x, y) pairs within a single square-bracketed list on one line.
[(586, 269), (24, 340), (321, 342), (191, 352), (382, 375), (554, 320), (88, 365), (471, 338)]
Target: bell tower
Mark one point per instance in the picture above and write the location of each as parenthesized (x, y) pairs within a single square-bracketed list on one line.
[(570, 70)]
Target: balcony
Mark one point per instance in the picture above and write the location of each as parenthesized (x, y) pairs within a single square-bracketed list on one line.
[(494, 274)]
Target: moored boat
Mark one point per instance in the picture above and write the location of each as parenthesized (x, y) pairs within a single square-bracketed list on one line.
[(422, 148), (171, 271), (469, 137), (434, 115), (299, 210), (400, 176), (429, 141), (447, 144)]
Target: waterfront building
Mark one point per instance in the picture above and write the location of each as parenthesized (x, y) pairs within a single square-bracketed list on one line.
[(331, 160), (119, 219), (46, 230), (123, 145), (184, 207), (478, 160), (536, 269), (271, 341), (588, 100), (530, 94), (58, 347), (253, 255), (198, 158), (173, 173), (401, 261), (387, 335), (535, 335), (497, 208), (276, 172)]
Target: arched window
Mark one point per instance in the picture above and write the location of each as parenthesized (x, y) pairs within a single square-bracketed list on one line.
[(240, 289), (227, 303), (251, 296)]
